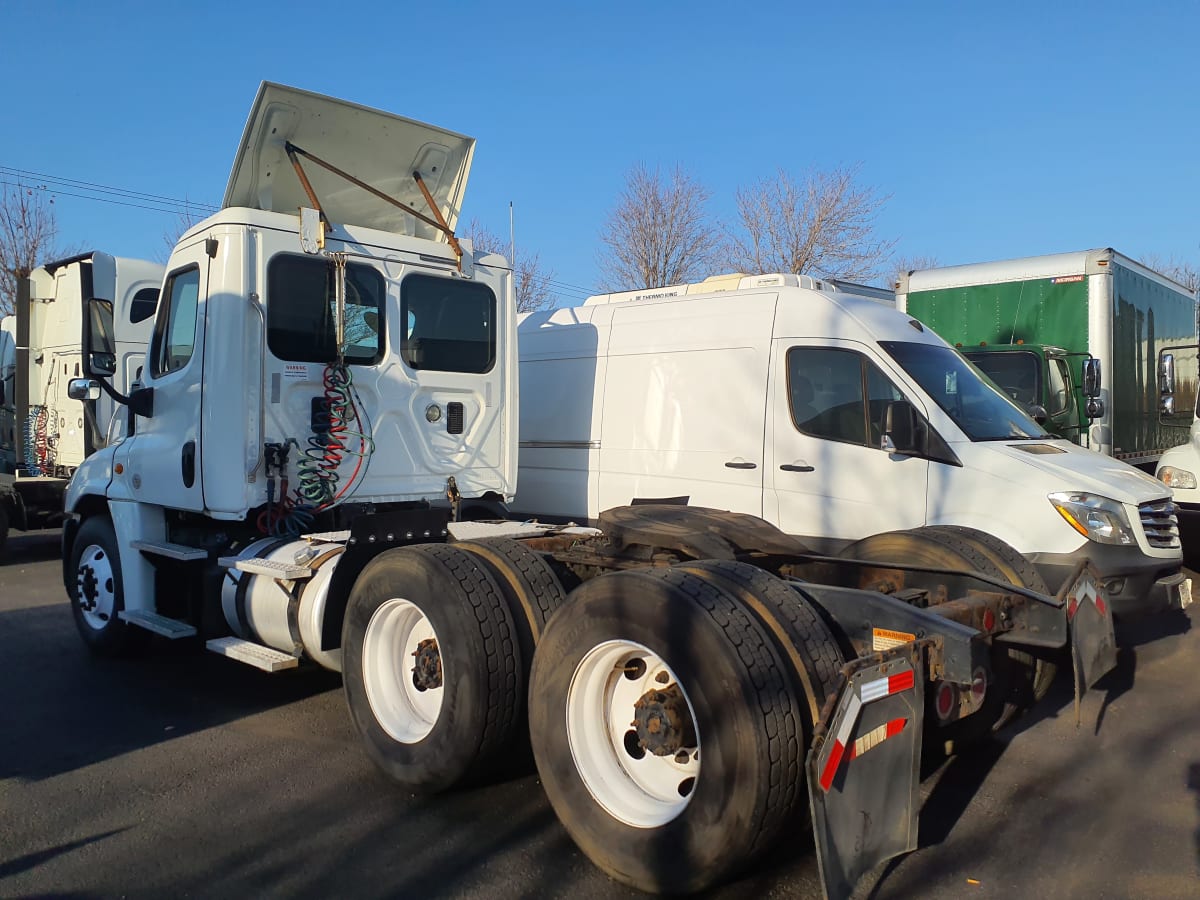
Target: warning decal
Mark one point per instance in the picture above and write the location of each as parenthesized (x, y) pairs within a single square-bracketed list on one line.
[(886, 639)]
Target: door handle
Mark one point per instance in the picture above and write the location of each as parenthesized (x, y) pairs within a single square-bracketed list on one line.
[(741, 465), (797, 467), (188, 464)]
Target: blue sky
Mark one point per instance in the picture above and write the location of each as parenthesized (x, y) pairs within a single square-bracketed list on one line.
[(999, 130)]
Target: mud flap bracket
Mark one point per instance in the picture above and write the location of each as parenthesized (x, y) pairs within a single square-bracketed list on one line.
[(864, 767)]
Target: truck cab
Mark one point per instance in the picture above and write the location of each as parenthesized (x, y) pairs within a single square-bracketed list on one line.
[(1041, 378)]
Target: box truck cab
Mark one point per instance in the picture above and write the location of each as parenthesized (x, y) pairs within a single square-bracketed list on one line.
[(832, 416)]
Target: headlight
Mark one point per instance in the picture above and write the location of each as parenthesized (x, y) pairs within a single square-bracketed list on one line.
[(1096, 518), (1176, 478)]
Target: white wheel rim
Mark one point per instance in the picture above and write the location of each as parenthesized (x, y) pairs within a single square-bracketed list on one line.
[(407, 713), (95, 588), (645, 791)]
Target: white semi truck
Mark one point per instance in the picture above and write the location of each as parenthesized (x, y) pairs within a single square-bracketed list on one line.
[(44, 434), (330, 396)]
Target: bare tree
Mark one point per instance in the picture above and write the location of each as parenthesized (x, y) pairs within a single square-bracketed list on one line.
[(821, 225), (904, 265), (530, 282), (185, 218), (28, 231), (1184, 272), (659, 232)]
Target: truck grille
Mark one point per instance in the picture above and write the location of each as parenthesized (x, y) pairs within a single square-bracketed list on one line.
[(1160, 524)]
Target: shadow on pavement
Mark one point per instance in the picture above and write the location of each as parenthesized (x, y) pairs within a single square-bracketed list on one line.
[(33, 860), (31, 547), (87, 709)]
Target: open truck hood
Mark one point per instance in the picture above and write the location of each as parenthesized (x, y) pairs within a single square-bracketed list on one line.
[(375, 147)]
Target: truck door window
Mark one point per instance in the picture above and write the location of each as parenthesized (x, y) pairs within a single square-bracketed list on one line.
[(175, 330), (302, 311), (825, 390), (449, 324), (1058, 396)]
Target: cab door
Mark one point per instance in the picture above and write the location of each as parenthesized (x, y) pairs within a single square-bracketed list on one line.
[(828, 480), (162, 460)]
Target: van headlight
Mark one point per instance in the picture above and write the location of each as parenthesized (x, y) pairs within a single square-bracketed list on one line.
[(1176, 478), (1098, 519)]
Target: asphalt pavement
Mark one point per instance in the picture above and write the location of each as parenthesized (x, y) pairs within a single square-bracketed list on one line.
[(187, 774)]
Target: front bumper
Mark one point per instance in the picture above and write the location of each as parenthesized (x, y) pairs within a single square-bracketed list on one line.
[(1134, 584)]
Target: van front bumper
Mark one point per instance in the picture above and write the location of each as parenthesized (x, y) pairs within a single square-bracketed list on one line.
[(1133, 584)]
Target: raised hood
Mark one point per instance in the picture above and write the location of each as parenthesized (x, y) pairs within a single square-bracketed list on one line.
[(378, 148)]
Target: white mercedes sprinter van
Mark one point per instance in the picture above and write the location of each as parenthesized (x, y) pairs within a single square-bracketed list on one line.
[(830, 415)]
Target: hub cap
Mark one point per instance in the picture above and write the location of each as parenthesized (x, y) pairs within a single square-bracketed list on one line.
[(402, 671), (95, 591), (632, 733)]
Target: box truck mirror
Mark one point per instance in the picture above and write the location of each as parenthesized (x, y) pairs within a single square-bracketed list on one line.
[(1091, 377), (83, 389), (1095, 408), (1166, 375), (1038, 413)]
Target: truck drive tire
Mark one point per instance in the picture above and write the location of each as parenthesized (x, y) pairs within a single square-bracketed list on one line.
[(97, 593), (666, 731), (432, 667), (3, 530)]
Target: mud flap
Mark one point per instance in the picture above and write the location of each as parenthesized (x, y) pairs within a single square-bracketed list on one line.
[(864, 769), (1093, 642)]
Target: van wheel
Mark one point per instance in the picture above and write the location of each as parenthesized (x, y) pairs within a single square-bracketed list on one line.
[(432, 668), (97, 592), (665, 728), (1011, 688), (1020, 571)]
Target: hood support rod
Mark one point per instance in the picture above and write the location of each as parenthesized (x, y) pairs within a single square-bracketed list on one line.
[(440, 223)]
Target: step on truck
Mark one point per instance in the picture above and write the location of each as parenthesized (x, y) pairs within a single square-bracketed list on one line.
[(323, 446), (44, 434)]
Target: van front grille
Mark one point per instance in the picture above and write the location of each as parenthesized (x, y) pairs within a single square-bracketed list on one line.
[(1160, 524)]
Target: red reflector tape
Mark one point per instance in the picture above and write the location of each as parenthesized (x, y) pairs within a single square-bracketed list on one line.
[(831, 767), (1100, 604), (901, 682)]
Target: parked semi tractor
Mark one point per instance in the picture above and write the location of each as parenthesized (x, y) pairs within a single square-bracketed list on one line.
[(44, 434), (330, 397), (833, 417), (1075, 336)]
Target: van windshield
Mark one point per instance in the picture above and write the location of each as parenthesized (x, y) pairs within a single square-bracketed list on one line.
[(977, 406)]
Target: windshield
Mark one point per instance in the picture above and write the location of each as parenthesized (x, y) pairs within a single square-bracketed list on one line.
[(977, 406), (1016, 372)]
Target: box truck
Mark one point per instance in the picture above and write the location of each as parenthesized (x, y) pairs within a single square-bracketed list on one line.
[(1075, 336), (831, 416), (44, 434), (329, 400)]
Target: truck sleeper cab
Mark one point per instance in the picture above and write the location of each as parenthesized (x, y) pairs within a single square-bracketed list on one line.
[(772, 399)]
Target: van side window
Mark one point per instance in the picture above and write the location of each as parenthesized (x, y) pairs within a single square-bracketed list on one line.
[(175, 330), (826, 395), (1059, 396)]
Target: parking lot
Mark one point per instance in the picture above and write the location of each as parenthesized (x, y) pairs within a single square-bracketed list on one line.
[(185, 773)]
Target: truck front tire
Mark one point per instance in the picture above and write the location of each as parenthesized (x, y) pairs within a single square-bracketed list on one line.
[(97, 592)]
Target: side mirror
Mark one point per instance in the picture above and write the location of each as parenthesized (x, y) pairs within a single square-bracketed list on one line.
[(83, 389), (1095, 408), (899, 428), (1166, 374), (1038, 413), (1091, 377), (99, 349)]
